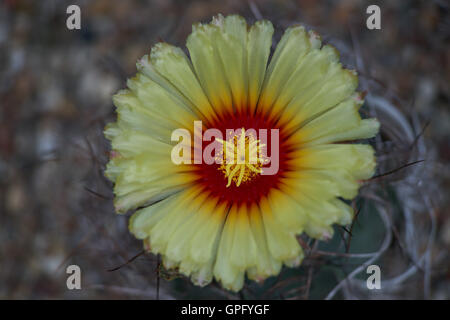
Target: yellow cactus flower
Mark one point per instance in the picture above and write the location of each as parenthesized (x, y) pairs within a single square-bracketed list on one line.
[(225, 220)]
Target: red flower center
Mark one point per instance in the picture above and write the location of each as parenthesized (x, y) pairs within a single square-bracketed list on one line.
[(212, 177)]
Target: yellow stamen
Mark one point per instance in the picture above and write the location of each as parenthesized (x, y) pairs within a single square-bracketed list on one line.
[(241, 158)]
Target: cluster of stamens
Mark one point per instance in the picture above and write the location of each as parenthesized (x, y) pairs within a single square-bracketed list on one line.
[(241, 157)]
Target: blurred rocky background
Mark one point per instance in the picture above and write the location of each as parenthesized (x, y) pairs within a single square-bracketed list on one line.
[(55, 98)]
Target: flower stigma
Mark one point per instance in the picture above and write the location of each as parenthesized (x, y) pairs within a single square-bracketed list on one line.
[(242, 157)]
